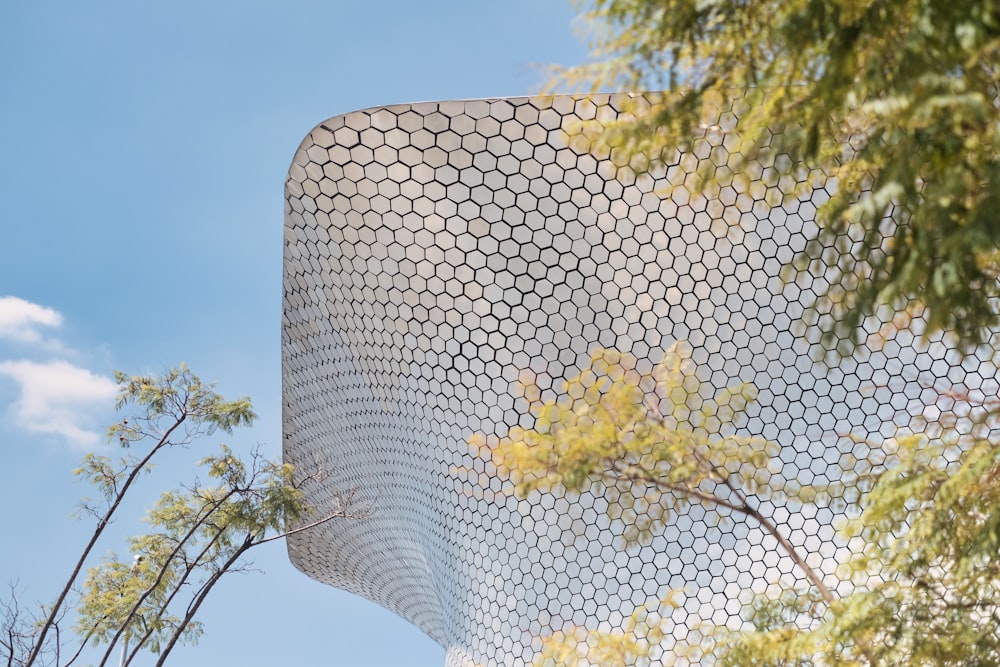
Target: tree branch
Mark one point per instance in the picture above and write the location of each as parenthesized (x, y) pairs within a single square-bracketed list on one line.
[(101, 525)]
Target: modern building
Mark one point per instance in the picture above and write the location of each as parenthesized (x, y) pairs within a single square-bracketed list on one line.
[(437, 254)]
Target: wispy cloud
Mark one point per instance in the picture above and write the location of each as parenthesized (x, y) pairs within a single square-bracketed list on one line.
[(22, 321), (56, 396), (59, 398)]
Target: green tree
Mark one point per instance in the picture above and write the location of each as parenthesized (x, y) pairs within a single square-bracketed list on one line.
[(197, 533), (933, 530), (895, 103), (651, 451), (651, 445), (925, 591), (893, 107)]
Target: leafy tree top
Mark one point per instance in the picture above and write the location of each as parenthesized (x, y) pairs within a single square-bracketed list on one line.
[(897, 103)]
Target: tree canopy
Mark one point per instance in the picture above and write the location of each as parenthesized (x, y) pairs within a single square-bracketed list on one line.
[(197, 533), (932, 526), (894, 109), (895, 103), (925, 590)]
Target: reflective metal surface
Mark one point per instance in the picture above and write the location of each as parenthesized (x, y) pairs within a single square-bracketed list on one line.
[(435, 253)]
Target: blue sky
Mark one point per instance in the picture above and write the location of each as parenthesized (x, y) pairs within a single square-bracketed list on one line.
[(143, 148)]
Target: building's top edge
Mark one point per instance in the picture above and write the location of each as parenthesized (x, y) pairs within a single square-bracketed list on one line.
[(501, 98), (395, 108)]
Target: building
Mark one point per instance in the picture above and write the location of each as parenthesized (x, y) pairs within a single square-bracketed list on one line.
[(437, 253)]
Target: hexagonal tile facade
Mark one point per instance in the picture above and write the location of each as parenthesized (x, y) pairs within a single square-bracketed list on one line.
[(434, 253)]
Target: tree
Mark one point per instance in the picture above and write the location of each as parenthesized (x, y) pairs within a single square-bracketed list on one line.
[(934, 533), (651, 451), (197, 533), (895, 108), (651, 445), (896, 104), (926, 591)]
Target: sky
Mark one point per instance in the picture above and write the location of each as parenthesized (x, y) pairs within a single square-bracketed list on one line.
[(143, 151)]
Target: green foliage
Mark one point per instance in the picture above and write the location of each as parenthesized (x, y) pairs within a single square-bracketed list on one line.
[(894, 109), (176, 399), (197, 533), (893, 105), (651, 444), (928, 583), (114, 588), (631, 646)]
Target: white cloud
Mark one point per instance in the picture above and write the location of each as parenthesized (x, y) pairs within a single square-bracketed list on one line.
[(21, 320), (56, 397), (59, 398)]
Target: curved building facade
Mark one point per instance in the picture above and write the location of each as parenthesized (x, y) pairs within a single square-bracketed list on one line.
[(436, 253)]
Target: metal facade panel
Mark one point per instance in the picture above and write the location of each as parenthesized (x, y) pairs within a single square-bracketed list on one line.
[(437, 253)]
